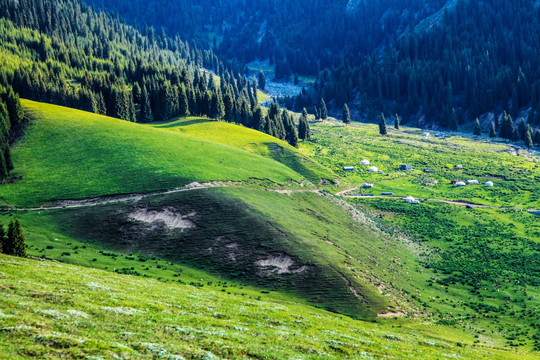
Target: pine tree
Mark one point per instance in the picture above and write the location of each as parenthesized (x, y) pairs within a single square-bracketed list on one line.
[(183, 103), (290, 129), (2, 237), (514, 133), (477, 128), (3, 168), (323, 112), (14, 107), (537, 137), (346, 114), (453, 120), (382, 125), (506, 127), (258, 121), (4, 122), (303, 126), (102, 108), (262, 80), (396, 122), (15, 242), (145, 113), (522, 129), (137, 93), (217, 108), (228, 104), (492, 130), (528, 140)]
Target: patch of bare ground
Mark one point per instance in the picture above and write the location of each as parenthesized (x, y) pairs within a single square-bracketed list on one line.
[(280, 264), (167, 216)]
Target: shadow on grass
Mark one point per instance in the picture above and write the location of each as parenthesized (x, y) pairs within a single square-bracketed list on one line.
[(180, 123)]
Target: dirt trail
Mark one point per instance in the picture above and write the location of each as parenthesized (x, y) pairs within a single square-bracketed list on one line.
[(453, 202), (114, 199)]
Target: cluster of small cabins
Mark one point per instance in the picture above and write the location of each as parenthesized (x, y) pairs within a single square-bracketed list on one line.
[(407, 167), (374, 169)]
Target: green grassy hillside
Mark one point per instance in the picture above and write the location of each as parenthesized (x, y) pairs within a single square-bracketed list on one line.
[(250, 140), (51, 310), (312, 248), (70, 154), (374, 259)]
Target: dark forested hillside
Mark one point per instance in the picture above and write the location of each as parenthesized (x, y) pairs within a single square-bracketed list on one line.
[(474, 57), (442, 62), (64, 52)]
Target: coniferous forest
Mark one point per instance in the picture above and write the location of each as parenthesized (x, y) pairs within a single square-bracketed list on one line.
[(66, 53), (433, 62)]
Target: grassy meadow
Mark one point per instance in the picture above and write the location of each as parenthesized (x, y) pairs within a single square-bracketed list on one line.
[(483, 261), (51, 310), (434, 279)]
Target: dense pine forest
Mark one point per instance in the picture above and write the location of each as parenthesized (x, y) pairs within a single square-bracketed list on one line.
[(433, 62), (66, 53)]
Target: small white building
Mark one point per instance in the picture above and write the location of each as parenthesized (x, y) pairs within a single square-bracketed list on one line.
[(365, 162), (472, 182), (410, 200), (373, 169), (348, 168), (368, 185), (461, 183), (459, 167), (489, 184)]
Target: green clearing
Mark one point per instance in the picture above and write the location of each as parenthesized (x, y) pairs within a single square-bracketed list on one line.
[(71, 154), (51, 310), (516, 178), (248, 139), (483, 262)]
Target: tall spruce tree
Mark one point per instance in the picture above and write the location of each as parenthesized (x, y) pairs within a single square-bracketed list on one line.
[(5, 123), (2, 237), (396, 121), (3, 168), (262, 80), (382, 125), (506, 127), (145, 113), (528, 139), (522, 129), (14, 107), (303, 126), (15, 241), (537, 137), (492, 130), (217, 108), (477, 128), (346, 116), (290, 129), (183, 103), (323, 111), (258, 120)]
